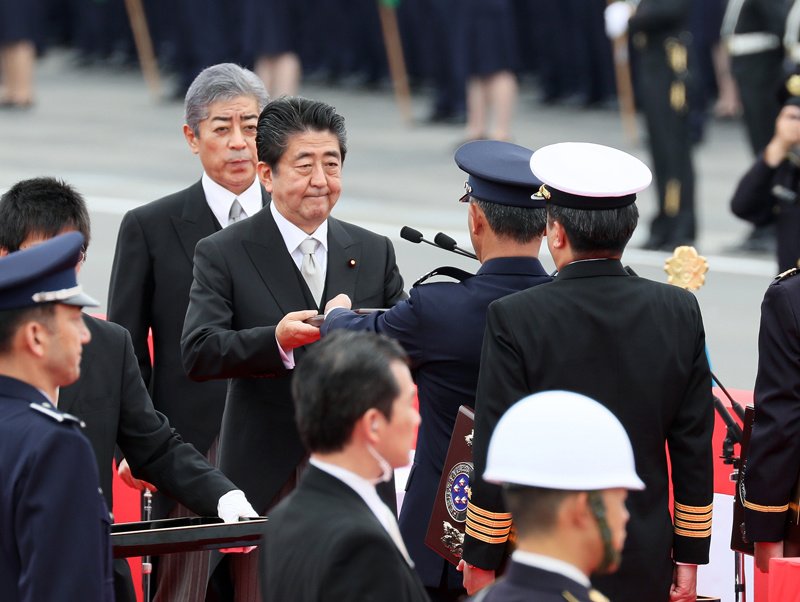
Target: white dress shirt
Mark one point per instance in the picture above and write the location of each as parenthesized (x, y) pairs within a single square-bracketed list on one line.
[(220, 199)]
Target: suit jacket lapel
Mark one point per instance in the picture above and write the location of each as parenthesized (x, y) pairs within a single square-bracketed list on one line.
[(344, 262), (196, 221), (264, 245)]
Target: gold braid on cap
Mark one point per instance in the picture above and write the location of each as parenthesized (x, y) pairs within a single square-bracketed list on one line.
[(543, 193)]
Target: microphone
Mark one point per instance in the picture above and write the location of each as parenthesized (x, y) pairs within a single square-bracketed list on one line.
[(415, 236), (446, 242)]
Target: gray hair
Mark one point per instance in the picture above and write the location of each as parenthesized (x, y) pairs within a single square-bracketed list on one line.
[(220, 82)]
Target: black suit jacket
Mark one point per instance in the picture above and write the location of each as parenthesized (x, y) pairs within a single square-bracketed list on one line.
[(245, 281), (150, 281), (637, 347), (324, 543), (111, 399), (774, 458)]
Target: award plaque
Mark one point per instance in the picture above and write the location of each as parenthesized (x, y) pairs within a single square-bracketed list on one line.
[(445, 534)]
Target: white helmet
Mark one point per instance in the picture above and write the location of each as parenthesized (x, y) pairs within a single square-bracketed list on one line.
[(561, 440)]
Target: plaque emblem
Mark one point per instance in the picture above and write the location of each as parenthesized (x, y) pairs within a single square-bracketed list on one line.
[(456, 494)]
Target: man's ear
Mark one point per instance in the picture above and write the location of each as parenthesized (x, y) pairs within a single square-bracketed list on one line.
[(371, 425), (191, 138), (556, 234), (3, 251), (477, 218), (33, 336), (265, 175)]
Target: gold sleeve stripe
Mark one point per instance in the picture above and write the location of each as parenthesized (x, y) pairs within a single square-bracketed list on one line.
[(693, 509), (497, 524), (487, 514), (487, 531), (690, 525), (484, 538), (692, 517), (698, 534), (760, 508)]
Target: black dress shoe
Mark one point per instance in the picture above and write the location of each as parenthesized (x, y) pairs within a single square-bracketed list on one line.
[(13, 105)]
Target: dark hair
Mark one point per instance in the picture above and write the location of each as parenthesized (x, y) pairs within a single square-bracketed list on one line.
[(521, 224), (43, 206), (12, 319), (289, 115), (534, 509), (592, 231), (338, 380)]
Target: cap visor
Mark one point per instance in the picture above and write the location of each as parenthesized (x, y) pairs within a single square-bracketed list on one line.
[(80, 300)]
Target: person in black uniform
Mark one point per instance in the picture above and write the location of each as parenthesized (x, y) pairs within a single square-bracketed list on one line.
[(566, 489), (54, 524), (110, 395), (773, 461), (769, 190), (333, 538), (636, 346), (441, 326), (658, 31), (751, 31)]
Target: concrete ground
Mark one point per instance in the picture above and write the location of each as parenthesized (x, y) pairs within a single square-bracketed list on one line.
[(101, 131)]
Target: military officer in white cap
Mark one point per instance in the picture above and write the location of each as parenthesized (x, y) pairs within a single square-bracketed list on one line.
[(566, 490), (636, 346), (54, 524)]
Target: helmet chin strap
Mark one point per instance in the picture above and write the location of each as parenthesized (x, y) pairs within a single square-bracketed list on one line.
[(611, 557), (386, 468)]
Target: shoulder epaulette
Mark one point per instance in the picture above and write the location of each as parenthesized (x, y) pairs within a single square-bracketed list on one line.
[(787, 274), (56, 415), (455, 273)]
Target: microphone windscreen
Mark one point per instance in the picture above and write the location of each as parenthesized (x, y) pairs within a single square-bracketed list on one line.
[(444, 241), (410, 234)]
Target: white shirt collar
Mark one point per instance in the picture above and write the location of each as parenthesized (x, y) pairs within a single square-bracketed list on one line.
[(219, 199), (547, 563), (293, 236), (359, 484)]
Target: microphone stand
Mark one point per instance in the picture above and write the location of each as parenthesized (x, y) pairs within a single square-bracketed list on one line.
[(147, 565), (732, 437)]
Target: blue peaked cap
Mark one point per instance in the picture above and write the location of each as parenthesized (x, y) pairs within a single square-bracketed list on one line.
[(43, 273), (499, 172)]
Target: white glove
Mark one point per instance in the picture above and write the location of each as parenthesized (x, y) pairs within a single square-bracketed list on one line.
[(617, 15), (230, 507), (233, 505)]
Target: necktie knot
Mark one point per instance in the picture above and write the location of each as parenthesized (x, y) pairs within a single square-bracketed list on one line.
[(236, 213)]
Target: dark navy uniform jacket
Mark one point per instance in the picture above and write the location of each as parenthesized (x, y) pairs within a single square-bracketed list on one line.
[(523, 583), (774, 457), (767, 194), (441, 328), (54, 524)]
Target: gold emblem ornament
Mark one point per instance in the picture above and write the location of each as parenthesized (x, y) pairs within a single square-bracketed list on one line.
[(543, 193), (677, 55), (793, 85), (686, 268)]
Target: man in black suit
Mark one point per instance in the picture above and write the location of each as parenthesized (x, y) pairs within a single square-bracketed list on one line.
[(636, 346), (152, 270), (333, 538), (255, 281), (110, 396), (566, 489)]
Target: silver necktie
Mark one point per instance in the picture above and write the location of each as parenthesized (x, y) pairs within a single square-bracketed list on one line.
[(310, 269), (236, 213)]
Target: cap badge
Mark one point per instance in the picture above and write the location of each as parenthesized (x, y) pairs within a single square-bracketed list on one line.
[(542, 193), (793, 85)]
